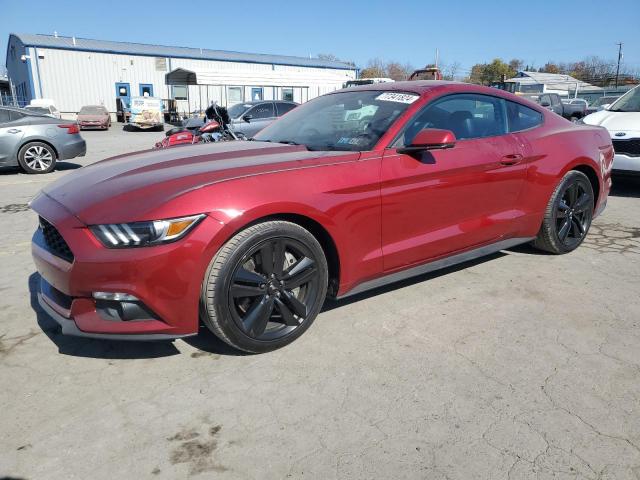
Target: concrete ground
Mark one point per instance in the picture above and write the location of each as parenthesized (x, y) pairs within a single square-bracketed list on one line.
[(519, 366)]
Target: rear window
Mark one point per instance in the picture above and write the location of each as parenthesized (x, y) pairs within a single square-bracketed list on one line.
[(521, 117), (91, 111)]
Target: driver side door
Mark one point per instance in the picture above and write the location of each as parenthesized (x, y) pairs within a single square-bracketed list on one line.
[(440, 202)]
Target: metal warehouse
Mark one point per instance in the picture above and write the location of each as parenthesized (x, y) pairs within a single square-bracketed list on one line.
[(75, 71)]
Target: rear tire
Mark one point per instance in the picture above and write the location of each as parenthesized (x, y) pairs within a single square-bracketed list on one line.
[(265, 287), (568, 215), (37, 157)]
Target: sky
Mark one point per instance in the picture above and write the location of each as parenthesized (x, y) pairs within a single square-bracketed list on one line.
[(408, 31)]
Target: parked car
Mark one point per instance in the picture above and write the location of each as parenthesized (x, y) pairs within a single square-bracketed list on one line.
[(94, 116), (36, 142), (601, 103), (622, 120), (43, 106), (250, 117), (570, 111), (250, 236)]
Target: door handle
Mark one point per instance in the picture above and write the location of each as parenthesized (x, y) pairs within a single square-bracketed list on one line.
[(14, 130), (511, 159)]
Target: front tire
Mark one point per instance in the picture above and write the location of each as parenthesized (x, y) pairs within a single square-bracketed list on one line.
[(568, 215), (265, 287), (37, 157)]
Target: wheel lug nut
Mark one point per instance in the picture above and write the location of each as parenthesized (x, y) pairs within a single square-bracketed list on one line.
[(262, 285)]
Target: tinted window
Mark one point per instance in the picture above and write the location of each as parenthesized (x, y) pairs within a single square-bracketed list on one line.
[(467, 116), (13, 115), (263, 110), (521, 117), (4, 116), (284, 107)]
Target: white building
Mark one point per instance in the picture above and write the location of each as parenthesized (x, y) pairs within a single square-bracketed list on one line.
[(76, 71)]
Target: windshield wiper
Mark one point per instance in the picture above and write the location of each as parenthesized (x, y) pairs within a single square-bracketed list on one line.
[(288, 142)]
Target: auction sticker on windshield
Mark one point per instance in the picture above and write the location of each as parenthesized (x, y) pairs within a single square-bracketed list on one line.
[(397, 97)]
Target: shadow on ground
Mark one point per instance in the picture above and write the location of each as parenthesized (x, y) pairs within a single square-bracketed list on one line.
[(60, 166)]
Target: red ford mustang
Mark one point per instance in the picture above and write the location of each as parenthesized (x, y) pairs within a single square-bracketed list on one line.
[(348, 192)]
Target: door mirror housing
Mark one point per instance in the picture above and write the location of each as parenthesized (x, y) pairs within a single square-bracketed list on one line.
[(605, 106), (545, 104), (247, 118), (430, 139)]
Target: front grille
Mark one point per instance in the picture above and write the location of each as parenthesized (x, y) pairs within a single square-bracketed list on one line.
[(54, 241), (627, 147)]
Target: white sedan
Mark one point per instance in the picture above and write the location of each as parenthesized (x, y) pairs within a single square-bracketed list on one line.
[(622, 119)]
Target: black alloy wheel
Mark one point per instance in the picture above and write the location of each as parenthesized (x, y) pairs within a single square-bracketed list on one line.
[(272, 288), (568, 215), (265, 286), (573, 214)]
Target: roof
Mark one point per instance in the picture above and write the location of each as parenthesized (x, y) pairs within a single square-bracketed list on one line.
[(554, 81), (105, 46), (414, 86)]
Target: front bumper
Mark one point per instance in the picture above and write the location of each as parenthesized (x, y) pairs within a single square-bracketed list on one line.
[(166, 279), (626, 163)]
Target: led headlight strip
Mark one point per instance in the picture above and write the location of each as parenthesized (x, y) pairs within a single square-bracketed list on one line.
[(138, 234)]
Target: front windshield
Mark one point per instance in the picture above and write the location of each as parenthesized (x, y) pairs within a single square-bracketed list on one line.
[(629, 102), (350, 121), (238, 109), (604, 101), (41, 110), (91, 111)]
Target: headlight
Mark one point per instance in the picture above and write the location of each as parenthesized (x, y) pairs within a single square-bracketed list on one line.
[(142, 234)]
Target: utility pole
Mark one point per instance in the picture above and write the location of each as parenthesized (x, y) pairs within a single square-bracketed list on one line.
[(619, 59)]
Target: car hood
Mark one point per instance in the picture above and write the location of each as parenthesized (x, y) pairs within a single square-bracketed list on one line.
[(615, 122), (134, 187)]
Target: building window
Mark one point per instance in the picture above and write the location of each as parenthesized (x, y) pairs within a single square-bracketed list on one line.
[(287, 94), (179, 92), (161, 64), (256, 94), (146, 90), (13, 52), (234, 95)]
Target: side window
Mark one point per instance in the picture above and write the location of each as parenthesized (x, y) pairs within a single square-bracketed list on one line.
[(4, 116), (264, 110), (284, 107), (466, 115), (545, 99), (521, 117)]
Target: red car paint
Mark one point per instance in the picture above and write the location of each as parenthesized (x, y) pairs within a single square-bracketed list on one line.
[(382, 210)]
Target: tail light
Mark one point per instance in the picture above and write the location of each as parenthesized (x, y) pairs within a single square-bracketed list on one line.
[(71, 127)]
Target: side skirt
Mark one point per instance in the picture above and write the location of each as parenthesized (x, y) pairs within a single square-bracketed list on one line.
[(436, 265)]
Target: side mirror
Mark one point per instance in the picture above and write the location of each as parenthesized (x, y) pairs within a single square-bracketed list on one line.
[(545, 104), (430, 139), (247, 118), (605, 106)]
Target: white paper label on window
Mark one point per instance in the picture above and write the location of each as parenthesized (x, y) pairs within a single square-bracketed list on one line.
[(397, 97)]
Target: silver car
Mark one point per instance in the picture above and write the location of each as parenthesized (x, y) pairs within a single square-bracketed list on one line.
[(251, 117), (36, 142)]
